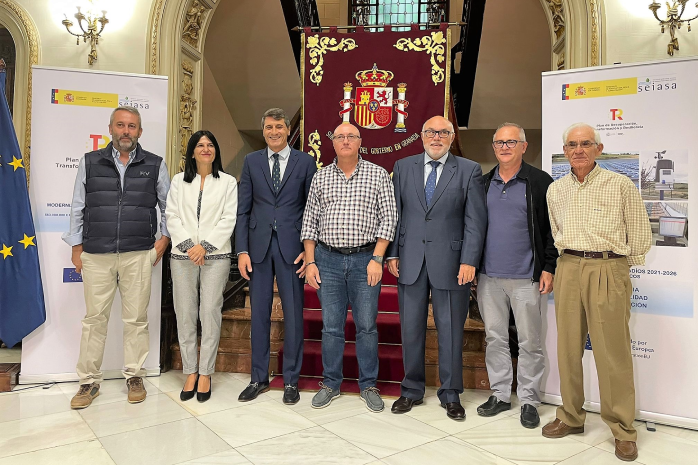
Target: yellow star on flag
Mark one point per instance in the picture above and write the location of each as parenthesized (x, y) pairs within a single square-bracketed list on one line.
[(16, 162), (27, 241), (6, 251)]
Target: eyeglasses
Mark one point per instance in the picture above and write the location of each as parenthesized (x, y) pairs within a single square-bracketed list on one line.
[(585, 144), (430, 133), (349, 137), (511, 143)]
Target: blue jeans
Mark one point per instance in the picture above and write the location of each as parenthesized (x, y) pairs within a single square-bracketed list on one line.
[(344, 281)]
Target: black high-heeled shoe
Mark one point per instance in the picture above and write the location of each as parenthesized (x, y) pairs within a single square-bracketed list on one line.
[(204, 396), (186, 395)]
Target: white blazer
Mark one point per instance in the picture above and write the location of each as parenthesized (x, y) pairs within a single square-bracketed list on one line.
[(219, 203)]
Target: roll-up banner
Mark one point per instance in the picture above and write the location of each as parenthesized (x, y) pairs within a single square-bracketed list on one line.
[(70, 117), (646, 115)]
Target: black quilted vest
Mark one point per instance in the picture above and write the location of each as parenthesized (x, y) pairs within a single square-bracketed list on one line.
[(120, 218)]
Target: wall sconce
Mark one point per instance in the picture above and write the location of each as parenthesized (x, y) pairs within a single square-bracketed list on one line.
[(673, 21), (91, 34)]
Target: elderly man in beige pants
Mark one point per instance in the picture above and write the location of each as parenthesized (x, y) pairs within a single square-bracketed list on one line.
[(601, 229)]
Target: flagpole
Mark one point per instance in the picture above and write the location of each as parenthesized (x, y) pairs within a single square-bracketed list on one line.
[(378, 26)]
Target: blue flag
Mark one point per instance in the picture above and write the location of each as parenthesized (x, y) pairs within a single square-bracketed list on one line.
[(21, 294)]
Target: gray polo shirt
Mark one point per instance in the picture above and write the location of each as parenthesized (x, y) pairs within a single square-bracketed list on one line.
[(507, 252)]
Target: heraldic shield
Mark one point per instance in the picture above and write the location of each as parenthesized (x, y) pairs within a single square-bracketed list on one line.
[(374, 101), (374, 107)]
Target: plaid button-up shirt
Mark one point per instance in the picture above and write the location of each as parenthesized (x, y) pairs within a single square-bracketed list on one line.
[(603, 213), (350, 212)]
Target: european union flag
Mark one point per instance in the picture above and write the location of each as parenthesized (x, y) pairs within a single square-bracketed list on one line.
[(21, 294)]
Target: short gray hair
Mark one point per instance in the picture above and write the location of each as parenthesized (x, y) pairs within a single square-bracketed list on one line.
[(522, 133), (133, 111), (277, 114), (597, 135), (453, 128)]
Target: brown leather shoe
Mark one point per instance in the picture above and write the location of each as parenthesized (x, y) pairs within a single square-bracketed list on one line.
[(557, 429), (86, 394), (136, 390), (626, 450)]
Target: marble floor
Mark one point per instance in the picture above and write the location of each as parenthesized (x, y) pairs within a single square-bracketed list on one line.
[(37, 426)]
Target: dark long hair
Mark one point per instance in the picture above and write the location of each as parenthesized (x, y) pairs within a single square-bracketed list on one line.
[(190, 161)]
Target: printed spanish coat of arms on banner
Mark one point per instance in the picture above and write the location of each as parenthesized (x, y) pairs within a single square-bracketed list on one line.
[(363, 78)]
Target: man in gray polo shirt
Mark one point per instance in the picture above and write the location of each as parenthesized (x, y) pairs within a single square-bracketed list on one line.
[(517, 268)]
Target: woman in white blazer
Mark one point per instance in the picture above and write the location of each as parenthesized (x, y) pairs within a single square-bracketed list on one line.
[(201, 212)]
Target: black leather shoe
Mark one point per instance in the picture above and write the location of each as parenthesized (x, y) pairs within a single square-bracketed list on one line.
[(492, 407), (404, 404), (252, 391), (454, 410), (204, 396), (529, 416), (291, 394), (186, 395)]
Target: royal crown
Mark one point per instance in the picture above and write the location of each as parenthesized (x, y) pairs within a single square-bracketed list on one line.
[(374, 77)]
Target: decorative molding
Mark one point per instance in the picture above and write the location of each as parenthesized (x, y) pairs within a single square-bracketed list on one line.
[(187, 105), (557, 13), (26, 43), (156, 14), (434, 46), (594, 13), (194, 20)]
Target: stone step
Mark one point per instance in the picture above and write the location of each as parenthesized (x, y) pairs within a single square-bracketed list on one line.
[(234, 356), (237, 325), (387, 300)]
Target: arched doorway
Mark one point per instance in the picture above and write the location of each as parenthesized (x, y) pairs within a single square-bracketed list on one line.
[(177, 36)]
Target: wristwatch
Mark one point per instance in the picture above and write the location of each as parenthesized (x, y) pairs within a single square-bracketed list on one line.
[(378, 259)]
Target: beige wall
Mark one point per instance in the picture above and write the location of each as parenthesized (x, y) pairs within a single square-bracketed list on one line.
[(477, 146), (633, 35), (216, 118), (329, 12), (118, 50)]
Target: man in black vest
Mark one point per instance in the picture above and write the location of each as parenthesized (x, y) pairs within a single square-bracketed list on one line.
[(113, 222)]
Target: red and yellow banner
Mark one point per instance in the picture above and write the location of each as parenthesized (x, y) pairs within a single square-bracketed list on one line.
[(387, 84)]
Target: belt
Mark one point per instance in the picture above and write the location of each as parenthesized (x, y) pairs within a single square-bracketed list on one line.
[(582, 254), (349, 250)]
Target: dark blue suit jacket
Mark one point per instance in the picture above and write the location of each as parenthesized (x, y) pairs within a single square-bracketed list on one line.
[(450, 232), (258, 205)]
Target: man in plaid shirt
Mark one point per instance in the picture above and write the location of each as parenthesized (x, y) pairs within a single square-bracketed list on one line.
[(601, 229), (349, 220)]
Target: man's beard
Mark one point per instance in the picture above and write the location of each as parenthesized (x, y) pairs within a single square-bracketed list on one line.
[(123, 147)]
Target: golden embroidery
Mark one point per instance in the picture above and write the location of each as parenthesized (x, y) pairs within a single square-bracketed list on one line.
[(318, 47), (433, 45), (314, 144)]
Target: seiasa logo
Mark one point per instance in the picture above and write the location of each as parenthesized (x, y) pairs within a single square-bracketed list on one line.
[(616, 114), (98, 141), (656, 84)]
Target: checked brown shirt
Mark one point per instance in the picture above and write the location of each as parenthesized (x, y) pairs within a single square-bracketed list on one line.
[(603, 213), (350, 212)]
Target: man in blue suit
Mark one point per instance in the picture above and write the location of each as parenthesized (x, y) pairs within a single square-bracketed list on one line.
[(440, 234), (273, 191)]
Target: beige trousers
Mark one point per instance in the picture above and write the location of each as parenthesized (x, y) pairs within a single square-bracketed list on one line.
[(102, 274), (592, 296)]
